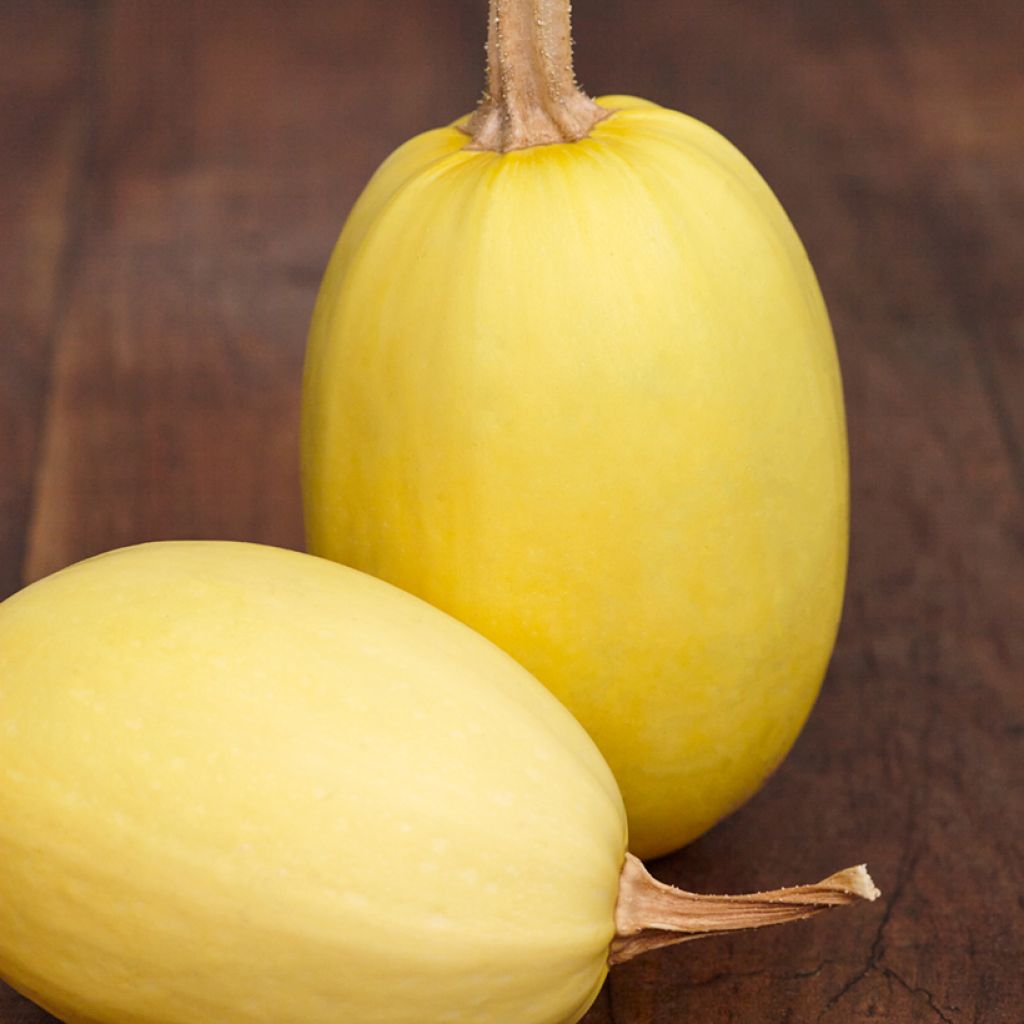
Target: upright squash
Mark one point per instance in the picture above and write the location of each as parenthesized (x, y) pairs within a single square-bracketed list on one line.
[(241, 785), (570, 378)]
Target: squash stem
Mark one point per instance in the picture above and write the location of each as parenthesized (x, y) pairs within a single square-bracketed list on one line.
[(650, 914), (531, 98)]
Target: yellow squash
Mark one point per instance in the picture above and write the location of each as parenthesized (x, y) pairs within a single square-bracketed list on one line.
[(583, 396), (241, 785)]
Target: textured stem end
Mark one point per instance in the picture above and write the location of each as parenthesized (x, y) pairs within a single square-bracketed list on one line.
[(532, 98), (650, 914)]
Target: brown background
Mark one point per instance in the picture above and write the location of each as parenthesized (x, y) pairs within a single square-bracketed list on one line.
[(172, 176)]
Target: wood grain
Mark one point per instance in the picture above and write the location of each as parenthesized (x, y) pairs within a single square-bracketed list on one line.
[(46, 123), (173, 176)]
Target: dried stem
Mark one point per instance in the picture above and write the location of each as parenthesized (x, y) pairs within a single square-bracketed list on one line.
[(650, 914), (531, 98)]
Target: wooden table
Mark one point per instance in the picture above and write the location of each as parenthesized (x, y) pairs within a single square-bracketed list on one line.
[(172, 176)]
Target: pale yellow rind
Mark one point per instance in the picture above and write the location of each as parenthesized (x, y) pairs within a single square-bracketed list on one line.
[(240, 785), (585, 398)]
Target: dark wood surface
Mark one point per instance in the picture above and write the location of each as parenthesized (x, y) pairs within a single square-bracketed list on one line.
[(172, 176)]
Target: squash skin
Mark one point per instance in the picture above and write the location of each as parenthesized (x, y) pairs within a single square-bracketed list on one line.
[(585, 398), (239, 784)]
